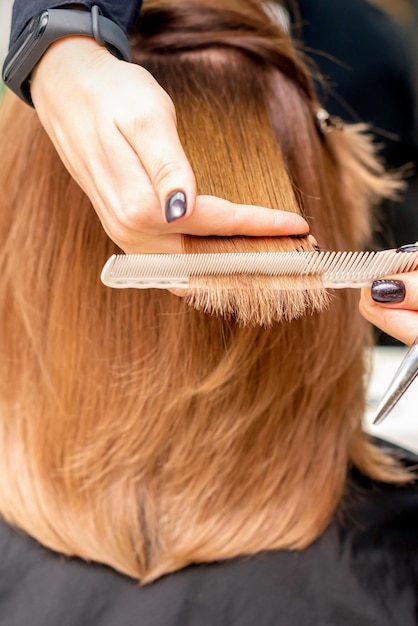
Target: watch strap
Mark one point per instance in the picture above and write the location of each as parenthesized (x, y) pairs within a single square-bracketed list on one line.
[(54, 24)]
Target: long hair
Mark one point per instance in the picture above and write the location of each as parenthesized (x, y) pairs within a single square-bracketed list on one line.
[(135, 430)]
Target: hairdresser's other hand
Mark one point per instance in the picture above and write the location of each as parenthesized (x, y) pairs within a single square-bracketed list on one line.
[(392, 305), (115, 130)]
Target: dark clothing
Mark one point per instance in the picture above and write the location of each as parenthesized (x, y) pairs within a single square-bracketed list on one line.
[(122, 12), (363, 571)]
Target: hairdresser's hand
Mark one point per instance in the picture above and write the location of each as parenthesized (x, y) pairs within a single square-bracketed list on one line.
[(392, 305), (115, 130)]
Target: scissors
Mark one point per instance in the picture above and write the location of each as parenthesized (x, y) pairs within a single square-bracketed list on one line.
[(404, 377)]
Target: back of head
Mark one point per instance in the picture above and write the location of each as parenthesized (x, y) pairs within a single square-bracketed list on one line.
[(232, 70), (135, 430)]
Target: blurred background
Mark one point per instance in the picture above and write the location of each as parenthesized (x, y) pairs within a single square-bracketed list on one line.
[(5, 17), (404, 13), (368, 52)]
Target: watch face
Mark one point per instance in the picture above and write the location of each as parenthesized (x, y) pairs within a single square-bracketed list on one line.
[(42, 22), (31, 26), (24, 45)]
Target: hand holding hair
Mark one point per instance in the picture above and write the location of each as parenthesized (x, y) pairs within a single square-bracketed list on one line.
[(114, 128), (391, 304)]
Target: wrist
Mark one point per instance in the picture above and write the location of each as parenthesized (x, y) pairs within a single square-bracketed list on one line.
[(63, 58)]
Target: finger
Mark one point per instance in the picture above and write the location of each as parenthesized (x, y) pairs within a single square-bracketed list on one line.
[(127, 190), (401, 324), (396, 292), (119, 189), (392, 305), (216, 216), (154, 138)]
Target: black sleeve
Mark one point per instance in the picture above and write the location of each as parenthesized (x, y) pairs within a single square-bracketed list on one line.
[(122, 13)]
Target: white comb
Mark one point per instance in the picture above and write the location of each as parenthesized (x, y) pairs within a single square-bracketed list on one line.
[(173, 271)]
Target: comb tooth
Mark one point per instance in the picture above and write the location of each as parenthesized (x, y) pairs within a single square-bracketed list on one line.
[(347, 271), (313, 261), (290, 266), (198, 263), (360, 259), (267, 266), (340, 262), (350, 262), (373, 265), (295, 262), (312, 258), (388, 264), (385, 266), (353, 262), (339, 259), (411, 262), (332, 261), (376, 264), (316, 262), (345, 263), (217, 264), (247, 267), (364, 264), (241, 265), (403, 264), (378, 267), (284, 266), (326, 261)]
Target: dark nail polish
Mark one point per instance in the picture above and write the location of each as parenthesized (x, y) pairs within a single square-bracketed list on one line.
[(175, 206), (388, 291), (409, 247), (302, 236)]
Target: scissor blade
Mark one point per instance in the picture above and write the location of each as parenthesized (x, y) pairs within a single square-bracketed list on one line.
[(405, 375)]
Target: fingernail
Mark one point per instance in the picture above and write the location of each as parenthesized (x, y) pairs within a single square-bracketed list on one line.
[(388, 291), (409, 247), (175, 206), (298, 236)]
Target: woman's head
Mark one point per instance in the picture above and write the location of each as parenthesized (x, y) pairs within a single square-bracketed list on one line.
[(231, 69), (136, 430)]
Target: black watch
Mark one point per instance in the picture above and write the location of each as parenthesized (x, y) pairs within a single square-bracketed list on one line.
[(50, 25)]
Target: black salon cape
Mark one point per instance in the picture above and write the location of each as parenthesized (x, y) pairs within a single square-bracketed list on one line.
[(363, 571)]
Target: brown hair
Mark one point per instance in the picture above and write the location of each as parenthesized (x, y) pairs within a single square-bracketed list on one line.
[(134, 430)]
